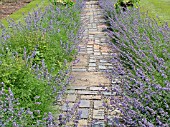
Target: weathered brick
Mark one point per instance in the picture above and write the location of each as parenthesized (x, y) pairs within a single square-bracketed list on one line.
[(98, 114), (84, 103), (71, 97), (82, 123), (98, 104), (84, 113), (91, 97)]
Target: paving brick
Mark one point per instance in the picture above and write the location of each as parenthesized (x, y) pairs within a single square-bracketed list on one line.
[(84, 103), (98, 104), (88, 92), (92, 69), (92, 60), (89, 46), (90, 52), (82, 123), (92, 64), (97, 42), (99, 57), (90, 42), (99, 124), (91, 36), (89, 49), (89, 78), (78, 87), (102, 26), (97, 53), (67, 107), (109, 93), (71, 97), (103, 61), (82, 52), (84, 113), (91, 97), (98, 88), (94, 32), (105, 64), (101, 67), (98, 114), (105, 49), (79, 69), (96, 50), (105, 53), (82, 60), (70, 92)]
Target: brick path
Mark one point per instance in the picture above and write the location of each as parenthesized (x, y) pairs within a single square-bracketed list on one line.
[(91, 87)]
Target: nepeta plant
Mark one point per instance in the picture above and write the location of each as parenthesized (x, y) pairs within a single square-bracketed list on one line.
[(144, 56), (34, 58)]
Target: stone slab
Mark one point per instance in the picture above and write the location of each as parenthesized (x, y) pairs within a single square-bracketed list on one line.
[(89, 78), (92, 64), (78, 87), (98, 88), (89, 46), (88, 92), (91, 97), (90, 52), (105, 64), (105, 49), (109, 93), (92, 60), (78, 69), (84, 113), (96, 46), (99, 124), (68, 106), (103, 61), (70, 92), (98, 104), (92, 69), (84, 104), (90, 49), (82, 123), (90, 42), (98, 114), (97, 53), (71, 97), (101, 67)]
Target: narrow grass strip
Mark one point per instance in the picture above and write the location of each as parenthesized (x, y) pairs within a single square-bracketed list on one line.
[(18, 15), (156, 8)]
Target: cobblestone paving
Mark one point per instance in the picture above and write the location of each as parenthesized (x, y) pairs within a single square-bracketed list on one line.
[(91, 87)]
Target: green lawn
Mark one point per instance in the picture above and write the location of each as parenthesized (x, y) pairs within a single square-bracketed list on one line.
[(18, 15), (160, 8)]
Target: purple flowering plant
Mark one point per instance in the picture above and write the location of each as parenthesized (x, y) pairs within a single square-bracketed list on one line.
[(145, 66), (34, 68)]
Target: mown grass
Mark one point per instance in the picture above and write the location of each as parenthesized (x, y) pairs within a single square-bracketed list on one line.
[(160, 8), (18, 15)]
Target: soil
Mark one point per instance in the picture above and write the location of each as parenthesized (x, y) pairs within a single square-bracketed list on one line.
[(9, 7)]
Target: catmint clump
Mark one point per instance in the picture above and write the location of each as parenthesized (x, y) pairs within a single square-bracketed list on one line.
[(144, 66), (34, 56)]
